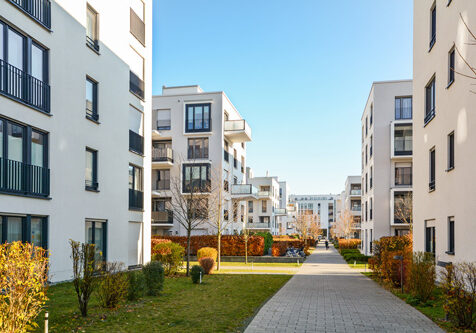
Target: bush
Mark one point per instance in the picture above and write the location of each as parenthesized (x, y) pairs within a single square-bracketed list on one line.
[(307, 252), (170, 255), (209, 252), (136, 285), (230, 245), (422, 276), (195, 273), (23, 282), (156, 241), (268, 241), (153, 277), (275, 251), (207, 264), (113, 285), (459, 286), (343, 252), (351, 257), (349, 243)]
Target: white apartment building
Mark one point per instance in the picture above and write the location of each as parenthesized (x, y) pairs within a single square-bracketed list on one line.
[(386, 159), (322, 205), (197, 137), (351, 201), (75, 83), (445, 130)]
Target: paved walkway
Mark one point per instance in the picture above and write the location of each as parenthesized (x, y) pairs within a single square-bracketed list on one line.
[(326, 295)]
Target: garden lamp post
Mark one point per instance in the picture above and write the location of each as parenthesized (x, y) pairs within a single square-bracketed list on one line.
[(401, 269)]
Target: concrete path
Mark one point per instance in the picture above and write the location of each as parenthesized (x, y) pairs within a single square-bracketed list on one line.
[(326, 295)]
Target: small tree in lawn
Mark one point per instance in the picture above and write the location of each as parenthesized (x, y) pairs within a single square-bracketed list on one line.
[(404, 209), (189, 200)]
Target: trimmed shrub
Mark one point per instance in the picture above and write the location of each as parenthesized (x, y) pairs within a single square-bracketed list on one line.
[(275, 251), (422, 276), (207, 264), (268, 241), (156, 241), (113, 285), (195, 273), (136, 285), (209, 252), (170, 255), (349, 243), (153, 277), (459, 286), (351, 257), (230, 245), (347, 251)]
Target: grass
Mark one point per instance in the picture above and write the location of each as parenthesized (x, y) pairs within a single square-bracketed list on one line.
[(256, 264), (248, 270), (222, 303)]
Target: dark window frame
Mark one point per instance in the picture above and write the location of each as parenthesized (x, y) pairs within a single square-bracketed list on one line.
[(136, 192), (451, 151), (94, 185), (399, 115), (451, 66), (430, 240), (432, 26), (203, 153), (104, 230), (432, 171), (190, 111), (204, 184), (451, 236), (26, 228), (93, 114), (39, 13), (430, 100), (93, 44)]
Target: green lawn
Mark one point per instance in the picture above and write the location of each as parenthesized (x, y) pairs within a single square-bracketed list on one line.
[(222, 303)]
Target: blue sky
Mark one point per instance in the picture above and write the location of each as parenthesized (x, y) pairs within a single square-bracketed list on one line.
[(299, 71)]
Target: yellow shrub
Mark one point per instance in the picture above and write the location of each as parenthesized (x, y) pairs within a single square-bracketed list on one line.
[(23, 279), (209, 252)]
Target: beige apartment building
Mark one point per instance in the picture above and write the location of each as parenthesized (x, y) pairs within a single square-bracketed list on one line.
[(350, 200), (445, 124), (386, 160)]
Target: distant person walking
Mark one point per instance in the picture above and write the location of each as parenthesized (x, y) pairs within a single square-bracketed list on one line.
[(327, 244)]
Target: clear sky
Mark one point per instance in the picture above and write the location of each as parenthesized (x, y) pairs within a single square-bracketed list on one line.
[(299, 71)]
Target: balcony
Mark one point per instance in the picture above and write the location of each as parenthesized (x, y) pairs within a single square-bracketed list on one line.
[(136, 143), (24, 88), (38, 10), (280, 211), (24, 179), (259, 225), (163, 217), (136, 85), (356, 209), (244, 191), (162, 158), (136, 200), (355, 192), (264, 194), (237, 131), (402, 140), (161, 185), (137, 27)]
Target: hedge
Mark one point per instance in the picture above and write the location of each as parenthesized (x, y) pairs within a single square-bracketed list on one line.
[(280, 246), (230, 245), (349, 243)]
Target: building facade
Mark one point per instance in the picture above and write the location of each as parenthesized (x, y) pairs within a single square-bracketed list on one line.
[(197, 137), (75, 94), (351, 202), (386, 160), (445, 134)]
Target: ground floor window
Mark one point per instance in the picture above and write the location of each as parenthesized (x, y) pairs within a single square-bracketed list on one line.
[(26, 228), (430, 240), (96, 233)]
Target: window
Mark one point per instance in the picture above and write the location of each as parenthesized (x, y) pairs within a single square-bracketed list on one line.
[(137, 26), (24, 65), (366, 126), (235, 160), (136, 77), (23, 160), (163, 120), (371, 177), (403, 174), (371, 145), (366, 182), (264, 206), (235, 180), (197, 148), (198, 118), (136, 130), (403, 139), (451, 151), (366, 211), (433, 26), (92, 28), (371, 114), (31, 229), (250, 206), (451, 66), (371, 208), (226, 185), (91, 99), (226, 215), (96, 233), (226, 155), (402, 203), (264, 219), (451, 236), (430, 240), (163, 180), (432, 170), (366, 154), (91, 183), (136, 196), (250, 219), (196, 178), (242, 164), (430, 101), (403, 108)]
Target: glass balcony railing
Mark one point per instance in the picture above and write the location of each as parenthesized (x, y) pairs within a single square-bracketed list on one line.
[(238, 130), (243, 189)]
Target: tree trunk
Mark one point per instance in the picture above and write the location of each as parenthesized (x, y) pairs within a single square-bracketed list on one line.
[(246, 249), (189, 234), (219, 250)]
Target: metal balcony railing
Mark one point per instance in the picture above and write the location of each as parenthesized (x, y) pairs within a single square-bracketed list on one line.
[(136, 85), (39, 10), (162, 155), (136, 142), (136, 199), (164, 216), (161, 185), (20, 86), (26, 179)]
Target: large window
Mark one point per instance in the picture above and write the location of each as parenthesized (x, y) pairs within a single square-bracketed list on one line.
[(163, 180), (403, 174), (250, 206), (163, 120), (196, 178), (136, 65), (136, 196), (264, 206), (402, 203), (137, 26), (433, 25), (451, 151), (432, 170), (451, 66), (91, 99), (198, 148), (92, 28), (96, 233), (430, 100), (23, 159), (136, 130), (403, 139), (27, 228), (91, 177), (403, 108), (198, 118)]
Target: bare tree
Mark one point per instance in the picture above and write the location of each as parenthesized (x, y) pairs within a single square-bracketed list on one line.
[(344, 225), (472, 42), (315, 228), (303, 223), (189, 200), (404, 209)]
